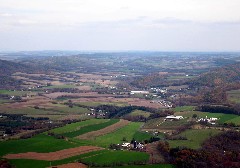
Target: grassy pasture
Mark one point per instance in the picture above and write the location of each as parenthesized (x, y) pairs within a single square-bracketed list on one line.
[(113, 157), (77, 125), (39, 143), (117, 136), (140, 136), (184, 108), (140, 112), (195, 138), (235, 120), (90, 128)]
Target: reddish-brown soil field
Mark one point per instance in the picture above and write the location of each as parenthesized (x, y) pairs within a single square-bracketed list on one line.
[(71, 165), (58, 155), (109, 129), (35, 101), (111, 99)]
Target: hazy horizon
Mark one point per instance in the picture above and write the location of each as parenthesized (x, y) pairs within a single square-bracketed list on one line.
[(120, 25)]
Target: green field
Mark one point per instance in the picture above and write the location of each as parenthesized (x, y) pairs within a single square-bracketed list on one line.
[(116, 137), (223, 118), (76, 126), (234, 96), (90, 128), (139, 113), (16, 93), (235, 120), (112, 158), (141, 136), (194, 138), (184, 108), (39, 143)]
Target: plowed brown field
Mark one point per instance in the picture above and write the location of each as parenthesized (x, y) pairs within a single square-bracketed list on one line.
[(109, 129), (71, 165), (58, 155)]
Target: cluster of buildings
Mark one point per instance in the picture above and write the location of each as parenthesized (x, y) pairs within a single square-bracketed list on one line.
[(100, 113), (132, 145), (211, 120), (158, 90), (165, 103)]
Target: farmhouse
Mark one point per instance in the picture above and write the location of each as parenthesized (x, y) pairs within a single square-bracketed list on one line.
[(172, 117)]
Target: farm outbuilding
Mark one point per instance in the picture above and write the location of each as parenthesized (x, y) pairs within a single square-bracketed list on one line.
[(172, 117)]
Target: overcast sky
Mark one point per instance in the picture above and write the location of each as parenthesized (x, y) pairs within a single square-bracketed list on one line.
[(163, 25)]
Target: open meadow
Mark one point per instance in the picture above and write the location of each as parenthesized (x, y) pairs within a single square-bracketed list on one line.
[(194, 138)]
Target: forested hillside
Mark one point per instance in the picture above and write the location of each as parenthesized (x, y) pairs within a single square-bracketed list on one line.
[(220, 76), (7, 68)]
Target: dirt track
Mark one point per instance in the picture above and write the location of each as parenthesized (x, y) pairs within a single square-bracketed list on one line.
[(58, 155), (109, 129)]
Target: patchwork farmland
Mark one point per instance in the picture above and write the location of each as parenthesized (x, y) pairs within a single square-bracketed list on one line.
[(45, 149), (120, 110)]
